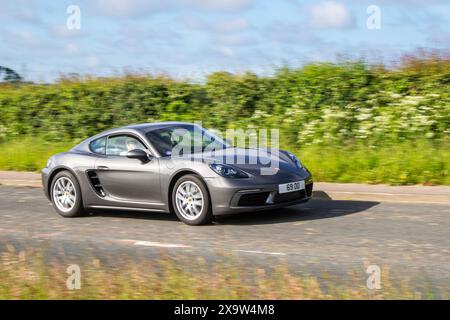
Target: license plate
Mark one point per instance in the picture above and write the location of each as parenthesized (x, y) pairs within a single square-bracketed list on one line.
[(291, 186)]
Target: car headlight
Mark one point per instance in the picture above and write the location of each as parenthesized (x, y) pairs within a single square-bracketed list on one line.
[(296, 160), (227, 171)]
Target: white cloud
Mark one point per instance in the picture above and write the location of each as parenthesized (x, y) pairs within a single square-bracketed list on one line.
[(130, 8), (292, 33), (19, 10), (236, 39), (236, 24), (136, 8), (330, 14), (225, 51), (194, 22), (27, 38), (92, 61), (62, 31), (219, 5), (223, 25), (71, 49)]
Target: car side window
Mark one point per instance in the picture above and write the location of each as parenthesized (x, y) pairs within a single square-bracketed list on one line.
[(120, 145), (98, 146)]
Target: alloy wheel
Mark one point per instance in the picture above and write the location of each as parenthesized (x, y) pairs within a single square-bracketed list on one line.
[(64, 194), (189, 200)]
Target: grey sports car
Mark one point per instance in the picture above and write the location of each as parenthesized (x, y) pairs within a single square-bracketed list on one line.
[(154, 167)]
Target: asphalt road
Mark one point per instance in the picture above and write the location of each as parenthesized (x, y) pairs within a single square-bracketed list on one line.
[(322, 236)]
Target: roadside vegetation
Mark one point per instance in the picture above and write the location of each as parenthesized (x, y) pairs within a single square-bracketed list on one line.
[(349, 121), (403, 163), (28, 275)]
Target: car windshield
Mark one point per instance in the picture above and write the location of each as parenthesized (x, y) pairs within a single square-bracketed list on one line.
[(184, 139)]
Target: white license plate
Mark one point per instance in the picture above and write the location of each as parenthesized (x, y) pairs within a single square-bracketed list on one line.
[(291, 186)]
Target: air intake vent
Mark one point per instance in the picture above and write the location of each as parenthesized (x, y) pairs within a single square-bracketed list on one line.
[(253, 199), (95, 182), (309, 188)]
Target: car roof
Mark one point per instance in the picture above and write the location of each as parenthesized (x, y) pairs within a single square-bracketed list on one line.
[(141, 128), (145, 127)]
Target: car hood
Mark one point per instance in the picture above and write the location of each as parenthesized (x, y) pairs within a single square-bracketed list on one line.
[(256, 162)]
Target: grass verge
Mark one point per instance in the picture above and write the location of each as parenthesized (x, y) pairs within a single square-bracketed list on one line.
[(26, 275), (399, 164), (29, 153), (403, 163)]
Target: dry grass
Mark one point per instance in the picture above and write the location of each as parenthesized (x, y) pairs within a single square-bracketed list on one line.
[(25, 275)]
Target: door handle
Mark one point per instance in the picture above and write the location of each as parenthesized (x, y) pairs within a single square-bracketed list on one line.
[(102, 168)]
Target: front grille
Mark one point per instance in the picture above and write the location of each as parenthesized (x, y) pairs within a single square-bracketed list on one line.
[(259, 198), (253, 199)]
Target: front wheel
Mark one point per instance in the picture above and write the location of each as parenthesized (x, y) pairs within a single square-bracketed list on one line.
[(191, 201), (66, 195)]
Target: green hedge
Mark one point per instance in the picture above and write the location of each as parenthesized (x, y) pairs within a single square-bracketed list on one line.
[(319, 103), (337, 107)]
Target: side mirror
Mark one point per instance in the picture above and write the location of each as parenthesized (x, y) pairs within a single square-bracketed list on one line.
[(139, 154)]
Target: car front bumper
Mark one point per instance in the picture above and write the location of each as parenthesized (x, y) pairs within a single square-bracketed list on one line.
[(45, 176), (230, 196)]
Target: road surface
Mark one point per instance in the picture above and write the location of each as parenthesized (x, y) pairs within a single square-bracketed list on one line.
[(335, 237)]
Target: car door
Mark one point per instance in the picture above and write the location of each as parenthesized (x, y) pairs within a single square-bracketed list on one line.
[(128, 182)]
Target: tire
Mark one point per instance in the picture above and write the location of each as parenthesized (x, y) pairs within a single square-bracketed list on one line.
[(71, 204), (186, 206)]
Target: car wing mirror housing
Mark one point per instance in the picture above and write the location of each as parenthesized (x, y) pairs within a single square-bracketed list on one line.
[(139, 154)]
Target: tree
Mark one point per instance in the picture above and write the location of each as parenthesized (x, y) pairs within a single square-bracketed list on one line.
[(9, 75)]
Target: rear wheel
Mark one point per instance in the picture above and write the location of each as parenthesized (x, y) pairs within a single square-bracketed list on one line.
[(66, 195), (191, 201)]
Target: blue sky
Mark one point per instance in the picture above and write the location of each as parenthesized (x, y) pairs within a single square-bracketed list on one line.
[(190, 38)]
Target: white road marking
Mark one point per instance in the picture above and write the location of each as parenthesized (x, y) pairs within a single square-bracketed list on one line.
[(174, 245), (262, 252), (159, 244)]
